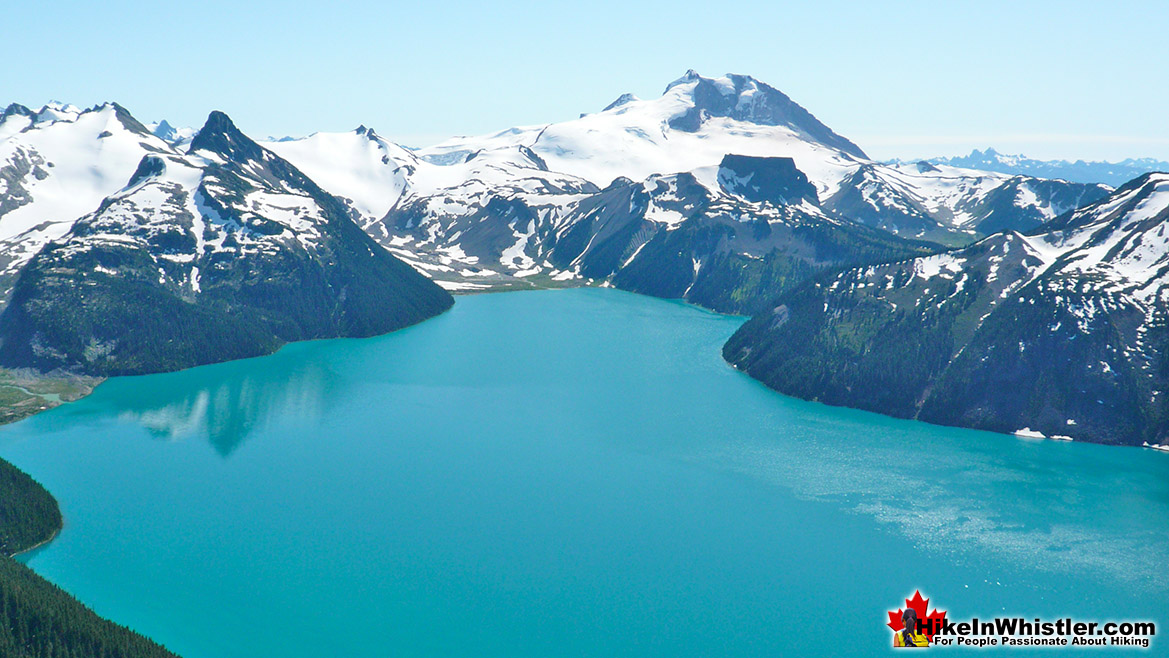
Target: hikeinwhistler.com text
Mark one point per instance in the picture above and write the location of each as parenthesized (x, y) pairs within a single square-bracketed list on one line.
[(1020, 632)]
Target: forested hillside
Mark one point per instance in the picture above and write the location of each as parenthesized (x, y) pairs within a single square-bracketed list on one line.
[(37, 618)]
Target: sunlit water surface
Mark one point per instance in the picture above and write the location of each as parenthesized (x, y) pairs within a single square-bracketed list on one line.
[(563, 473)]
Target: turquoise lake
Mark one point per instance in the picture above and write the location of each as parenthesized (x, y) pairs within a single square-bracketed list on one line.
[(564, 473)]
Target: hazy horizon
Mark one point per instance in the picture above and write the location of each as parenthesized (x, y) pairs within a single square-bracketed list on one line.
[(899, 82)]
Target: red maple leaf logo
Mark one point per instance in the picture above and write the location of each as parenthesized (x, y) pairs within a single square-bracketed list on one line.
[(929, 623)]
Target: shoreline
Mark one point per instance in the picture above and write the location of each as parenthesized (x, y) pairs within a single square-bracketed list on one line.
[(25, 393), (40, 545), (1024, 433)]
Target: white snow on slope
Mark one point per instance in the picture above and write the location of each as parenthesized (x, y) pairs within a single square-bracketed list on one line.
[(77, 158), (1122, 240), (635, 140), (368, 171), (171, 201), (83, 167)]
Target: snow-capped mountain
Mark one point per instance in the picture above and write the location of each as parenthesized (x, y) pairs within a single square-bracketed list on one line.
[(693, 124), (361, 168), (177, 137), (953, 205), (729, 237), (1079, 171), (223, 251), (130, 248), (451, 221), (1061, 332), (485, 211), (57, 164), (699, 120), (488, 220), (723, 191), (723, 236)]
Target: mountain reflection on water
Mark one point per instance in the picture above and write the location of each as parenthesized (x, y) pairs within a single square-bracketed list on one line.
[(227, 403)]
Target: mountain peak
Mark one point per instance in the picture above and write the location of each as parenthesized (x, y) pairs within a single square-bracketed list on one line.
[(124, 117), (56, 111), (165, 130), (368, 132), (219, 135), (17, 108), (690, 76), (60, 107), (171, 134), (218, 121), (743, 98), (621, 100)]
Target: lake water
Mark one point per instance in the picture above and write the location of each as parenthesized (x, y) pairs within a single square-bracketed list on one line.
[(563, 473)]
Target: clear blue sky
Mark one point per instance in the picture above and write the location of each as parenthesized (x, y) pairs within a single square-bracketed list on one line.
[(1050, 79)]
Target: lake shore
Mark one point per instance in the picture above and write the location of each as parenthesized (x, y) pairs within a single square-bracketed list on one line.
[(38, 392)]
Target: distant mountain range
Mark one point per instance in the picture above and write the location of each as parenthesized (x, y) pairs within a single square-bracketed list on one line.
[(1080, 171), (129, 248)]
